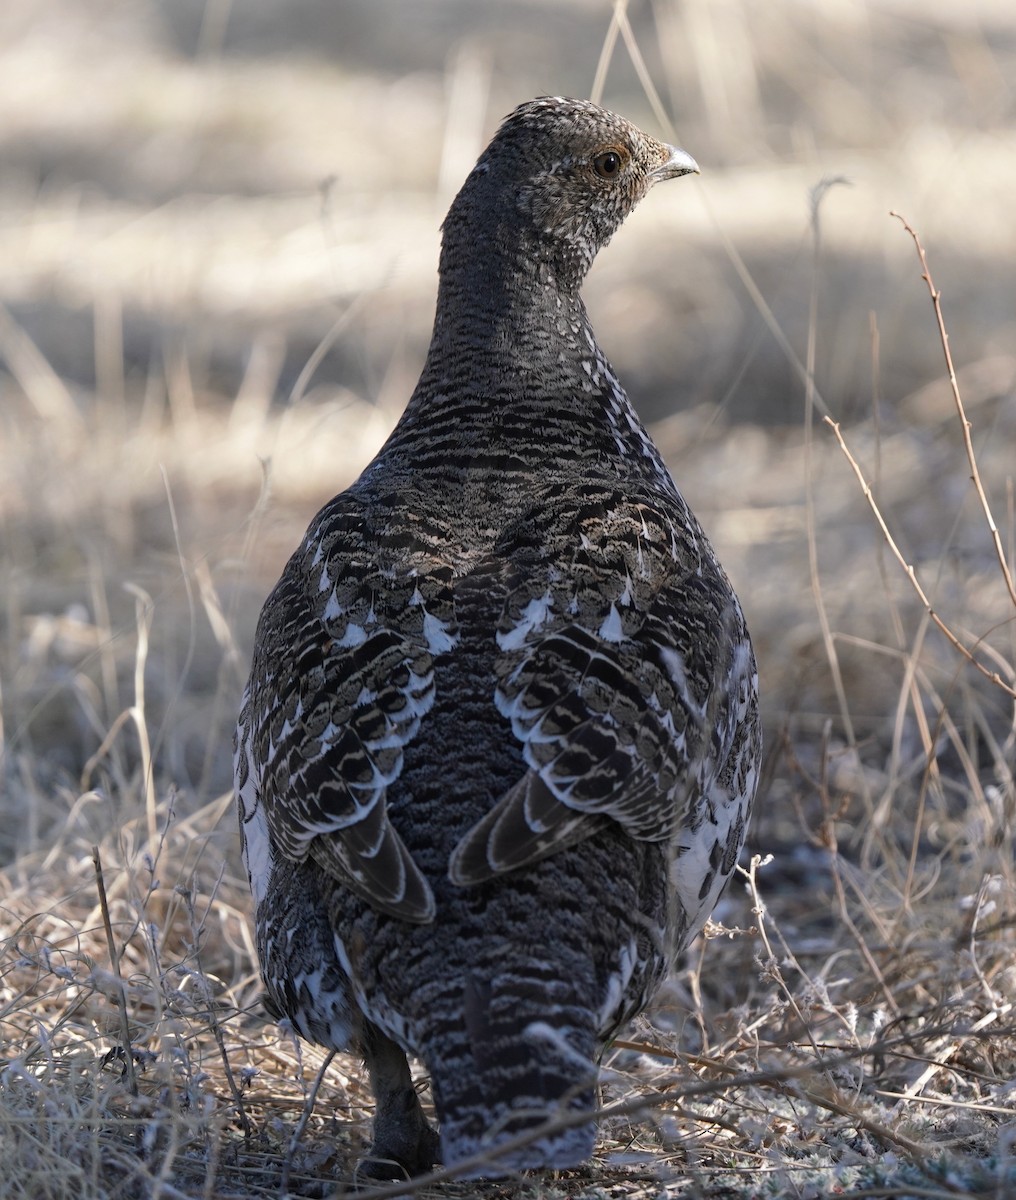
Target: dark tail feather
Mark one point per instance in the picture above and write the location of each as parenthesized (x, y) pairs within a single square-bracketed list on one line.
[(520, 1069)]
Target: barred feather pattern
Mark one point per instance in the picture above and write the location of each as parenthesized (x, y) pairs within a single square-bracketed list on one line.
[(499, 745)]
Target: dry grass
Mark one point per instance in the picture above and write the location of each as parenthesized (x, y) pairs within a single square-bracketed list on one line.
[(201, 341)]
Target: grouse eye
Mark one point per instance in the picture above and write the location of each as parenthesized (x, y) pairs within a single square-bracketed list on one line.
[(607, 164)]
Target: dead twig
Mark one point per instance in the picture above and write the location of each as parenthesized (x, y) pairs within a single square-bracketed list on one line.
[(911, 574), (114, 958), (975, 475), (818, 194), (301, 1125)]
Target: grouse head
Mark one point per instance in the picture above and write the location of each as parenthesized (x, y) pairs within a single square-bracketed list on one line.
[(553, 186)]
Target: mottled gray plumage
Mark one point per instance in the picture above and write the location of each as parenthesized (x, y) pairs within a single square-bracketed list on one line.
[(500, 740)]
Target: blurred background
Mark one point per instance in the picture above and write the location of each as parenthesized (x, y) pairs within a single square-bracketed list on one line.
[(219, 228)]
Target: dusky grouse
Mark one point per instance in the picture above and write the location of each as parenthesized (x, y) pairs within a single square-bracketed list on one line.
[(500, 739)]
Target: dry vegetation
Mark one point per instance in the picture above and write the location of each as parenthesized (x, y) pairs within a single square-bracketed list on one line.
[(203, 335)]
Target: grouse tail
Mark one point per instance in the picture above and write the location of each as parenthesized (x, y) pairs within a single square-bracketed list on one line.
[(513, 1064)]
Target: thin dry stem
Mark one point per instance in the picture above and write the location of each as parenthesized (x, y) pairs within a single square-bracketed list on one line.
[(819, 193), (965, 425), (301, 1125), (143, 618), (909, 571), (607, 51), (114, 960)]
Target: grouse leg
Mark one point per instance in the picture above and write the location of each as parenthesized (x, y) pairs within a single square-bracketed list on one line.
[(404, 1141)]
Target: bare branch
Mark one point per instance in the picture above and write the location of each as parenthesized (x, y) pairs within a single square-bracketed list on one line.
[(975, 475), (114, 960), (909, 570)]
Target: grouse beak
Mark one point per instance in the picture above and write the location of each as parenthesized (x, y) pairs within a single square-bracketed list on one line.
[(678, 163)]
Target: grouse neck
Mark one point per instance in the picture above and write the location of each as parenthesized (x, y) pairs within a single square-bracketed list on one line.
[(505, 302), (515, 389)]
